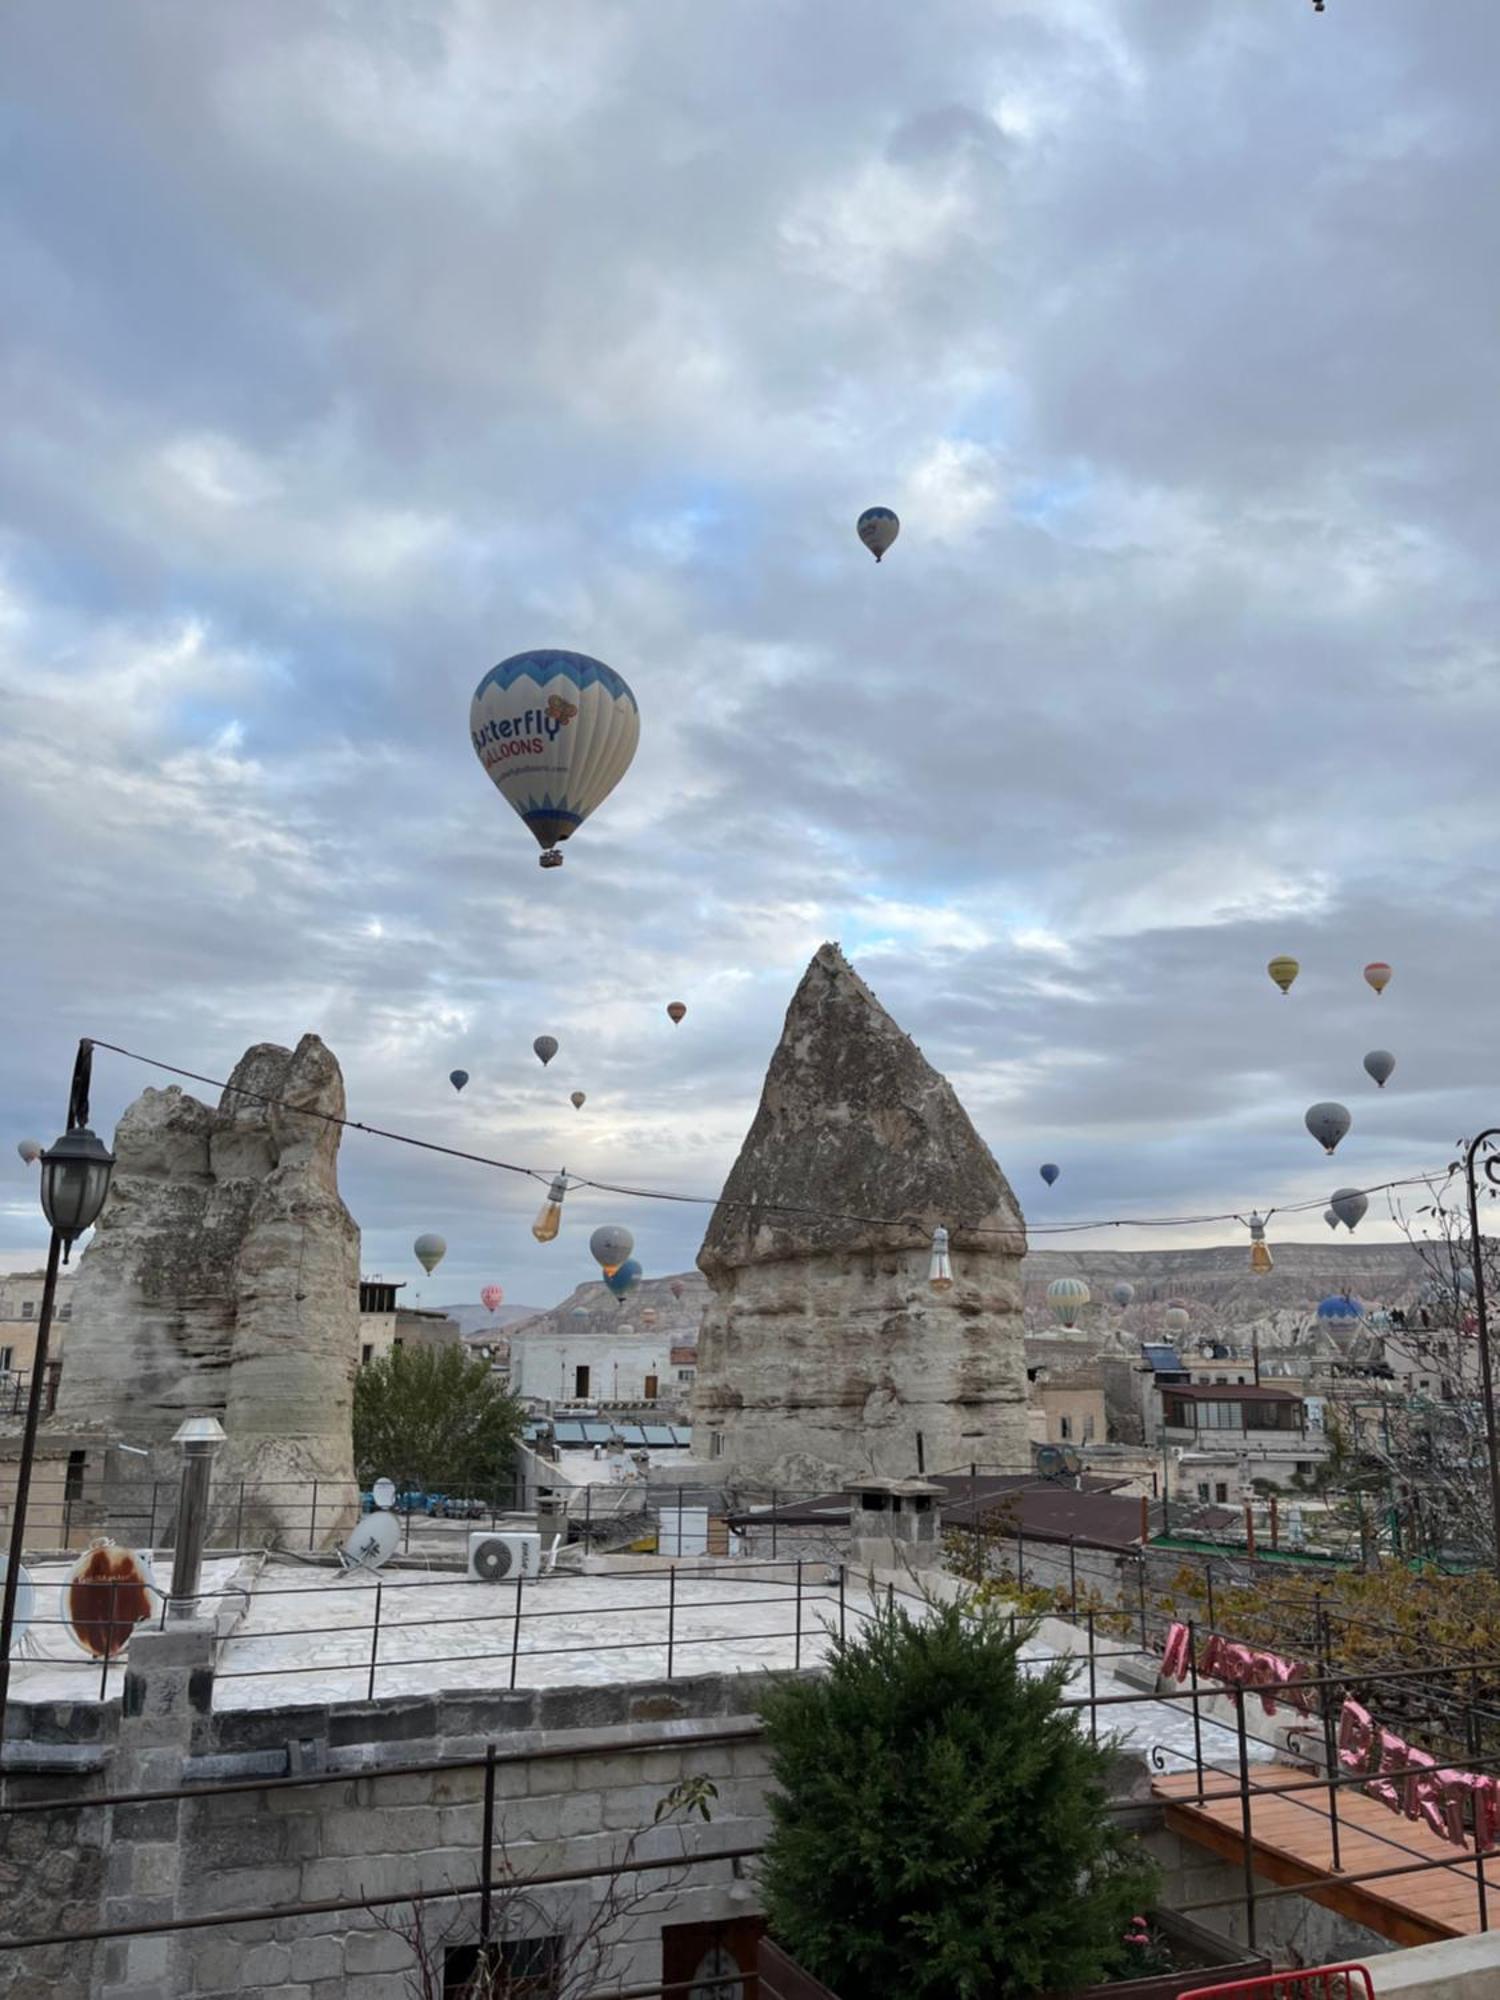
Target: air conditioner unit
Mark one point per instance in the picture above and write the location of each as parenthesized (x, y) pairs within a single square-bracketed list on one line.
[(493, 1557)]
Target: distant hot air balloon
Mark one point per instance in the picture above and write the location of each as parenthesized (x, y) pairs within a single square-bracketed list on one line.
[(1349, 1205), (1124, 1292), (578, 1100), (1176, 1319), (429, 1251), (1284, 970), (677, 1288), (609, 1246), (546, 1048), (648, 1317), (1378, 975), (1340, 1306), (877, 528), (458, 1078), (580, 1312), (1067, 1298), (675, 1011), (1379, 1063), (30, 1151), (623, 1279), (556, 732), (491, 1298), (1049, 1173), (1331, 1217), (1328, 1123)]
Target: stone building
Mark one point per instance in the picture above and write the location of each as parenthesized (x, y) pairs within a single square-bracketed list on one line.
[(824, 1352), (384, 1324), (222, 1279), (20, 1311)]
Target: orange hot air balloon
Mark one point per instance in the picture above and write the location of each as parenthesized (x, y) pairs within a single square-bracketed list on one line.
[(675, 1011), (1378, 975), (1284, 970)]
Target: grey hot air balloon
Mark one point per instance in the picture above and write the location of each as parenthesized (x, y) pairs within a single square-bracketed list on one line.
[(429, 1251), (1379, 1063), (610, 1245), (1328, 1123), (458, 1078), (1349, 1205), (877, 528), (1123, 1293), (578, 1100), (1331, 1217), (546, 1048), (30, 1151)]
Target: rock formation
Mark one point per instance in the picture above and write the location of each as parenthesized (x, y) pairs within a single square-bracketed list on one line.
[(223, 1279), (824, 1352)]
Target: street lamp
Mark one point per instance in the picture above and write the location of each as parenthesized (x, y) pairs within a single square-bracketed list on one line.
[(1481, 1313), (75, 1180)]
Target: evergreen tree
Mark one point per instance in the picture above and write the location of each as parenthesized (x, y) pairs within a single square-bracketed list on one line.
[(940, 1827), (436, 1416)]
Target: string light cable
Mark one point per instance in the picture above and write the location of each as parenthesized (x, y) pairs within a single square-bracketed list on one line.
[(1431, 1179)]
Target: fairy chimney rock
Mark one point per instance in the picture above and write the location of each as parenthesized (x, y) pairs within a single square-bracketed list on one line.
[(223, 1279), (824, 1352)]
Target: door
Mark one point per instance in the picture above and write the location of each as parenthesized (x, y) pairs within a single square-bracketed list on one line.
[(580, 1383), (651, 1388), (712, 1961)]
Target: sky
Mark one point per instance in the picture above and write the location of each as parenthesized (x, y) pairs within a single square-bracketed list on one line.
[(350, 346)]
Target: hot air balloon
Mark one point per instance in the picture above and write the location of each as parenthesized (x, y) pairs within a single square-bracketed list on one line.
[(1284, 970), (458, 1078), (1379, 1063), (1331, 1217), (580, 1312), (1340, 1306), (675, 1011), (877, 528), (623, 1279), (1123, 1293), (648, 1317), (677, 1288), (30, 1151), (429, 1251), (1328, 1123), (556, 732), (546, 1048), (609, 1246), (1348, 1205), (1176, 1318), (491, 1298), (1067, 1298), (1378, 975), (578, 1100), (1049, 1173)]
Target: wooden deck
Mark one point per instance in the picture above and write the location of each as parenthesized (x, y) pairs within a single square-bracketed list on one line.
[(1291, 1841)]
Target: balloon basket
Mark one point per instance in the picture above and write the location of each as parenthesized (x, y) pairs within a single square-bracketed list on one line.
[(550, 858)]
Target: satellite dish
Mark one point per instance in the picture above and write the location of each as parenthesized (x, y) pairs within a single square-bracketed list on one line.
[(1050, 1461), (372, 1541), (25, 1607), (383, 1493), (109, 1591), (1208, 1350)]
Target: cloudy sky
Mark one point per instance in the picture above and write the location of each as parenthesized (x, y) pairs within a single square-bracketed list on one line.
[(347, 347)]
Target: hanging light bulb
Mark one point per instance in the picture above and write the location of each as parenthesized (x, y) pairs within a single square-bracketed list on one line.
[(939, 1269), (1260, 1251), (549, 1221)]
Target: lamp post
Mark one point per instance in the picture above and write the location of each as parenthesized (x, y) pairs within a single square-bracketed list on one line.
[(1481, 1313), (75, 1180)]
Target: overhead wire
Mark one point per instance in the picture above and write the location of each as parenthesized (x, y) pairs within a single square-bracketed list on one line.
[(628, 1192)]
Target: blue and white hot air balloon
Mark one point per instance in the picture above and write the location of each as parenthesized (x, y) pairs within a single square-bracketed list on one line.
[(556, 732), (877, 528), (1049, 1173)]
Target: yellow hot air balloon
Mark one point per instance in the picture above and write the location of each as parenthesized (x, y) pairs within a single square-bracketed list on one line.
[(1378, 975), (1284, 970)]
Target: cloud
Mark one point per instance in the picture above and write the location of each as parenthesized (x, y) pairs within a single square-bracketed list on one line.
[(346, 354)]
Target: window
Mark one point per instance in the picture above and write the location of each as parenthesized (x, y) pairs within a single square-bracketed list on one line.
[(28, 1307), (529, 1968), (73, 1482), (1221, 1490), (398, 1342), (65, 1311), (1088, 1429), (716, 1444), (1241, 1380), (687, 1374), (1203, 1493), (367, 1354), (5, 1358), (580, 1381), (1065, 1428), (1305, 1466)]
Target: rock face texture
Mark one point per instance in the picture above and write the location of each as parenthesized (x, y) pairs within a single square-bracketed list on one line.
[(823, 1351), (223, 1279)]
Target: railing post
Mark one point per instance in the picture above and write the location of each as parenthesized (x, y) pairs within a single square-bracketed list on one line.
[(1093, 1709), (1073, 1574), (109, 1637), (487, 1844), (1197, 1718), (151, 1528), (841, 1603), (679, 1521), (773, 1524), (239, 1518), (588, 1514), (1247, 1826), (312, 1524), (974, 1519), (1481, 1887), (671, 1617), (797, 1655), (515, 1633), (1141, 1573), (374, 1642), (1330, 1745), (1208, 1576)]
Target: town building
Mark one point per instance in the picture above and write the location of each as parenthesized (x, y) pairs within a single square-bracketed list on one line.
[(20, 1315), (384, 1324)]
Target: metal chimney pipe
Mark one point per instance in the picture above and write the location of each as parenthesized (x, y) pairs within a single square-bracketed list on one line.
[(200, 1438)]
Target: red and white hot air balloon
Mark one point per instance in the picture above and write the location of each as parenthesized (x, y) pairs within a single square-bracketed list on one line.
[(491, 1298), (1378, 975)]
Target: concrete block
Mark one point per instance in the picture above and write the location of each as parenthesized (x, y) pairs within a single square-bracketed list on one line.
[(381, 1830), (148, 1822), (364, 1875), (629, 1808), (264, 1965), (245, 1889), (550, 1775), (404, 1720), (317, 1958), (581, 1813), (489, 1716), (375, 1951)]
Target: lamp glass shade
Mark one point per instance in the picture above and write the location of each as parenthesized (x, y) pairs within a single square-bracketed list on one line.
[(75, 1180), (939, 1265)]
